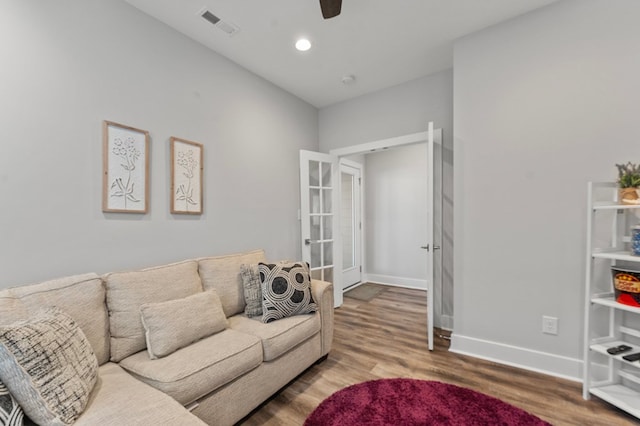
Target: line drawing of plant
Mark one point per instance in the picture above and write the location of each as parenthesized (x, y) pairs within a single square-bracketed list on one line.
[(187, 161), (125, 149)]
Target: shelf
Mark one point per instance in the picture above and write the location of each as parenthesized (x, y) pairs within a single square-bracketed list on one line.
[(616, 255), (611, 302), (602, 349), (612, 206), (621, 396)]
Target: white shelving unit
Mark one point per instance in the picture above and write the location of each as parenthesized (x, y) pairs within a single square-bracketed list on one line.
[(606, 376)]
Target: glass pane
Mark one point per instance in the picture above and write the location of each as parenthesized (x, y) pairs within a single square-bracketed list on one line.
[(326, 201), (315, 227), (347, 222), (314, 201), (328, 253), (327, 231), (317, 274), (315, 255), (328, 274), (326, 175), (314, 173)]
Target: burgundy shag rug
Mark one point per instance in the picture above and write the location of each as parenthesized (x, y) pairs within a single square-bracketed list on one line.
[(409, 402)]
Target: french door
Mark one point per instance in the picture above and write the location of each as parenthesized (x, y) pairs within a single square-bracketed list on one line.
[(319, 176)]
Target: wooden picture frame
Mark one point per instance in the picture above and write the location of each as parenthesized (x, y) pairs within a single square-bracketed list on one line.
[(125, 167), (186, 176)]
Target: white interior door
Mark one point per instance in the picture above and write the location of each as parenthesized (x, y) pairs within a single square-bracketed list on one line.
[(430, 247), (319, 177), (351, 222)]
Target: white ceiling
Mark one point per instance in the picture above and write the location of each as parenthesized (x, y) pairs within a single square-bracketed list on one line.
[(381, 42)]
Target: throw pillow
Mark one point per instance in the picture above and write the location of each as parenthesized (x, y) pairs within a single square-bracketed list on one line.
[(10, 412), (48, 365), (286, 290), (252, 289), (175, 324)]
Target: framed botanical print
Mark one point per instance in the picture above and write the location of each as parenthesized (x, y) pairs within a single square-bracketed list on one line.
[(186, 176), (125, 180)]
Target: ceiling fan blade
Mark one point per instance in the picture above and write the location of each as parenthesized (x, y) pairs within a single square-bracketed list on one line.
[(330, 8)]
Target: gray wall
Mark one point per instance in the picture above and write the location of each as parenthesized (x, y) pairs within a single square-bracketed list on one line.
[(395, 206), (68, 65), (542, 104), (395, 111)]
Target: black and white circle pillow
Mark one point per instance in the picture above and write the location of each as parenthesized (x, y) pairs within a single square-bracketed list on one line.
[(10, 412), (286, 290)]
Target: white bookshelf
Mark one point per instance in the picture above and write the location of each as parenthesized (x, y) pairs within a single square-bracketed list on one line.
[(621, 387)]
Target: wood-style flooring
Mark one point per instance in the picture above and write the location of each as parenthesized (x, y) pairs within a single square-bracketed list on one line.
[(386, 337)]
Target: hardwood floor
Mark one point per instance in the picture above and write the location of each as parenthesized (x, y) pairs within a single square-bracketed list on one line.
[(386, 337)]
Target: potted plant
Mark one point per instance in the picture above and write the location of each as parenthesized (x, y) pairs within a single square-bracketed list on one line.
[(628, 183)]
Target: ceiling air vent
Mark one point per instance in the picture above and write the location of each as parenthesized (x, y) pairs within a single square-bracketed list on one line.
[(227, 27)]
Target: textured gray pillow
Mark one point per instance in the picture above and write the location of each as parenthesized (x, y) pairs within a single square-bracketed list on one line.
[(175, 324), (10, 412), (286, 290), (252, 289), (48, 366)]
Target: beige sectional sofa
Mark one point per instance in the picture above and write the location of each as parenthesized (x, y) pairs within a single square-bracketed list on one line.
[(217, 380)]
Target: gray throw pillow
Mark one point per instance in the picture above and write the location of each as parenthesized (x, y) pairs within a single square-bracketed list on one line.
[(10, 412), (48, 366), (252, 289), (286, 290)]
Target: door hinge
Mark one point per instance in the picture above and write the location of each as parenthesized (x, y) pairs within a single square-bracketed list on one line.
[(359, 181)]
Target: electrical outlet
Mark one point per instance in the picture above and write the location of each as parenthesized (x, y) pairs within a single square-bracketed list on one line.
[(550, 325)]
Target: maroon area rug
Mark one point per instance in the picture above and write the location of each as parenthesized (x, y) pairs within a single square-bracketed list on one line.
[(409, 402)]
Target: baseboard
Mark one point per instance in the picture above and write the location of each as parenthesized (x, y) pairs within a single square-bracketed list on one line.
[(396, 281), (446, 322), (540, 362)]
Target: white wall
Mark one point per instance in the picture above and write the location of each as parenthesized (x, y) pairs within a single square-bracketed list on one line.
[(542, 104), (395, 215), (68, 65)]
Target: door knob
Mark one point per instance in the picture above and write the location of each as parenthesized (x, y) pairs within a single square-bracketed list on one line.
[(427, 247)]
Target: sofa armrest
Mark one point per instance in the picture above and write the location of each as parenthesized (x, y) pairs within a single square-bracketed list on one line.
[(322, 292)]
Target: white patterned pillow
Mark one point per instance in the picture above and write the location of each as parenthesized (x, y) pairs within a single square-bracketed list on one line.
[(286, 290), (48, 366), (10, 412)]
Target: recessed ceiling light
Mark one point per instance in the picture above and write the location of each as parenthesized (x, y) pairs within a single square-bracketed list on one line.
[(303, 45)]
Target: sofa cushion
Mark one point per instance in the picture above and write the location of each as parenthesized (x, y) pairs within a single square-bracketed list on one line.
[(200, 368), (120, 399), (80, 296), (222, 273), (280, 336), (48, 365), (127, 291), (252, 289), (175, 324), (286, 290)]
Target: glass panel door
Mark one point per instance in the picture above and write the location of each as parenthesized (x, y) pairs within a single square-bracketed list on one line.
[(317, 186)]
